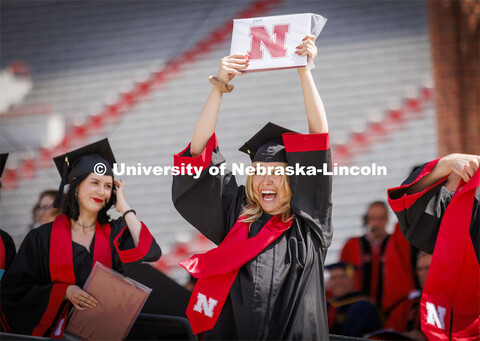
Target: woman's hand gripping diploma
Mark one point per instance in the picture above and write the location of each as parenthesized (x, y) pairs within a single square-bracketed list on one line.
[(307, 48), (232, 66), (80, 299)]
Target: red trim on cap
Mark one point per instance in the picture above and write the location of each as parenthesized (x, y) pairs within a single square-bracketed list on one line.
[(305, 142), (57, 296), (137, 253), (405, 201), (201, 160)]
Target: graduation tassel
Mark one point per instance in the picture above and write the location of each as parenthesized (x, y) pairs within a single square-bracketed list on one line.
[(58, 199)]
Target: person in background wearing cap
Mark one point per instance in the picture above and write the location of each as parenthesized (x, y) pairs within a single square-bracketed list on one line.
[(349, 312), (265, 279), (7, 246), (55, 260)]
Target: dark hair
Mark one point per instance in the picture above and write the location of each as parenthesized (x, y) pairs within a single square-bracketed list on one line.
[(71, 208), (375, 203), (46, 193)]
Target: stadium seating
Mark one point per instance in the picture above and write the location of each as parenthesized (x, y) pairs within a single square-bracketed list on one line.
[(86, 59)]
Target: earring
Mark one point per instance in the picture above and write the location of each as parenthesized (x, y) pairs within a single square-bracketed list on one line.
[(76, 194)]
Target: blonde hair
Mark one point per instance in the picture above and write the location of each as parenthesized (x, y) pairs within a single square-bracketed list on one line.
[(253, 210)]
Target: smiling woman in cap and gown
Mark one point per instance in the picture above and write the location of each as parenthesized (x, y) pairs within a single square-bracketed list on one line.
[(7, 246), (265, 279), (55, 260)]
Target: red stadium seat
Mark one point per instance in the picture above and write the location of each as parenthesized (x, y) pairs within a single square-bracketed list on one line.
[(28, 168)]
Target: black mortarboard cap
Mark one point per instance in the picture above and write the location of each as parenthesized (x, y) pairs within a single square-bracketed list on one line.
[(267, 144), (3, 162), (85, 160)]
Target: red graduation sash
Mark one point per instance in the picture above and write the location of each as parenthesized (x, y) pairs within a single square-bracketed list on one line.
[(217, 269), (61, 269), (450, 306), (5, 326), (2, 255)]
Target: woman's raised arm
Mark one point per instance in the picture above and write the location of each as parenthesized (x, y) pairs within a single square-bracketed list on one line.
[(317, 119), (207, 120), (464, 165), (133, 223)]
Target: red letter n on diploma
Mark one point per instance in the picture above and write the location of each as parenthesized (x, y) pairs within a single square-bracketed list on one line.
[(276, 47)]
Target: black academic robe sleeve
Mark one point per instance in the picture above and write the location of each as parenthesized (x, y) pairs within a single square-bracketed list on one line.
[(420, 214), (311, 194), (279, 293), (125, 251), (206, 202), (10, 249), (27, 289), (27, 286)]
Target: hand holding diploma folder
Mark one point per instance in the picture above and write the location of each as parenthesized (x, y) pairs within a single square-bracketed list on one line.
[(270, 42), (120, 300)]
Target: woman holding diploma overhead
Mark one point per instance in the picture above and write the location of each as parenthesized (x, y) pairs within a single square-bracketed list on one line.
[(55, 260), (265, 279)]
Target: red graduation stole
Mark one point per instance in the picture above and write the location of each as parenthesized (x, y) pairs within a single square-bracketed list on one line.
[(2, 255), (450, 306), (61, 268), (217, 269)]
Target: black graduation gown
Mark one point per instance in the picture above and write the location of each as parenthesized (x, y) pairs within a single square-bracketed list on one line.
[(10, 250), (279, 294), (27, 286), (420, 221)]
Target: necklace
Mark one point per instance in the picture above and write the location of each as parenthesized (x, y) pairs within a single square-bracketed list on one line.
[(85, 226)]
